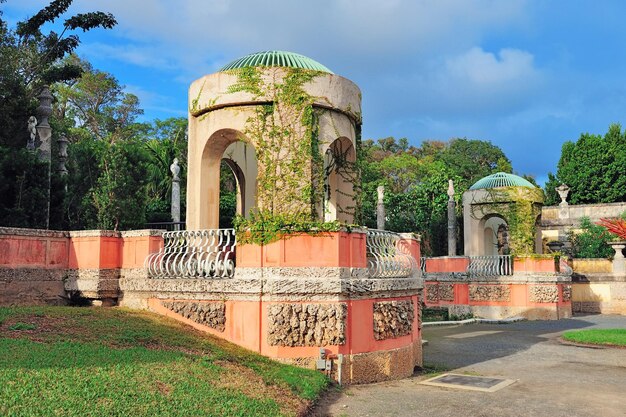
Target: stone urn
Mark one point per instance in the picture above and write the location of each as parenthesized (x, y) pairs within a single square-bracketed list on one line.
[(555, 246), (619, 263)]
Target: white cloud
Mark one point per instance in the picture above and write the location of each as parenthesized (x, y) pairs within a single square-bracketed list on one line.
[(487, 70)]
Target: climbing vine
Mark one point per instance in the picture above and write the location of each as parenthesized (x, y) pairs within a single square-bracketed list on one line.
[(284, 130)]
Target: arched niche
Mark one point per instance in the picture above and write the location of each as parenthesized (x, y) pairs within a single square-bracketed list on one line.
[(230, 145), (495, 235), (339, 178)]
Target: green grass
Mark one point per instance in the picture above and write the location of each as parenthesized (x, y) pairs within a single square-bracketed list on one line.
[(100, 362), (610, 337)]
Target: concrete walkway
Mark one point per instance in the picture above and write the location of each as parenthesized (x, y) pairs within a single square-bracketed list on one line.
[(553, 379)]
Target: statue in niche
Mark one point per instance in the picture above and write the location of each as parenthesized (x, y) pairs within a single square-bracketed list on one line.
[(503, 240)]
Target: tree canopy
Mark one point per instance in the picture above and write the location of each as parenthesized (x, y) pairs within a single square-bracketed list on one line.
[(416, 182), (593, 167)]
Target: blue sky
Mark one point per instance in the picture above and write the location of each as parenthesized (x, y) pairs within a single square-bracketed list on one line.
[(525, 75)]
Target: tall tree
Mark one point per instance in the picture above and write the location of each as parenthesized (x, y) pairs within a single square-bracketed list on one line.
[(30, 60), (593, 167)]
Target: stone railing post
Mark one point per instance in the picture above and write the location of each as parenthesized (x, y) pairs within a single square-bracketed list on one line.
[(619, 262)]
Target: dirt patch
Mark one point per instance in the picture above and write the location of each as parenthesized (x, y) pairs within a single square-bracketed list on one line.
[(250, 384), (44, 327)]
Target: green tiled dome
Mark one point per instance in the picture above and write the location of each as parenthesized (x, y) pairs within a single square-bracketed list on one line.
[(276, 59), (501, 179)]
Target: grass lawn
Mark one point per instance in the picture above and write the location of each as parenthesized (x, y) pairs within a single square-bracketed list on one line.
[(78, 361), (611, 337)]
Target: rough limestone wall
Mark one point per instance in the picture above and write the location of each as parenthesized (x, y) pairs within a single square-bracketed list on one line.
[(211, 314), (446, 292), (544, 294), (567, 292), (299, 324), (489, 293), (393, 319)]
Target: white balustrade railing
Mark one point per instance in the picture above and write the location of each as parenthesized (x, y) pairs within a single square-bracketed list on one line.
[(194, 254), (423, 265), (489, 266), (386, 256)]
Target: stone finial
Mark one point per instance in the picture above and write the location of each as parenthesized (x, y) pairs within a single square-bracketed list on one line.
[(45, 106), (175, 168), (32, 132), (450, 189), (563, 191)]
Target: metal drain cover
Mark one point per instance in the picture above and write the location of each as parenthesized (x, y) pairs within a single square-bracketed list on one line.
[(470, 382)]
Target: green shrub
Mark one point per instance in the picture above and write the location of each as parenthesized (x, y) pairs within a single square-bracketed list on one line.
[(592, 242)]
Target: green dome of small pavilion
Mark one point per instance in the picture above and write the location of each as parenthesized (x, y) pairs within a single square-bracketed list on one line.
[(276, 59), (501, 179)]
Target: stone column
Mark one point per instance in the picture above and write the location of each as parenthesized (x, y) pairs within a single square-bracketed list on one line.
[(451, 220), (380, 208), (175, 193), (619, 262), (62, 141), (44, 131)]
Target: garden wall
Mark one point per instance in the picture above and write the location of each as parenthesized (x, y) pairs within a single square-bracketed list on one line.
[(596, 289), (537, 290), (51, 267)]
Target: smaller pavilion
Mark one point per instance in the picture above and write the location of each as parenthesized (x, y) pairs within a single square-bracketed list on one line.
[(501, 214)]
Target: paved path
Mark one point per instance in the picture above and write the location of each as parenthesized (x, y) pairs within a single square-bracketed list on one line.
[(553, 379)]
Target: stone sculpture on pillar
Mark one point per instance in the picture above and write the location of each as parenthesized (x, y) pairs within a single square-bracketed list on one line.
[(32, 133), (380, 208), (175, 168), (451, 220), (563, 191)]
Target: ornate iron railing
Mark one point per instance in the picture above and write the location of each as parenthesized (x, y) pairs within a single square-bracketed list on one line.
[(489, 266), (386, 256), (194, 254)]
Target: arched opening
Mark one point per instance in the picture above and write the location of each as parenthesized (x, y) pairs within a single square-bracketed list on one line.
[(226, 154), (339, 178), (230, 194), (495, 235)]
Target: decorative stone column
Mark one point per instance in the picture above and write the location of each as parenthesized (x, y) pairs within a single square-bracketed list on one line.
[(43, 128), (451, 220), (380, 208), (62, 142), (619, 262), (175, 211), (44, 131)]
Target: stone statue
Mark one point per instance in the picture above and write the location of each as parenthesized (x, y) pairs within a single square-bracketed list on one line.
[(32, 131), (175, 168), (450, 189)]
